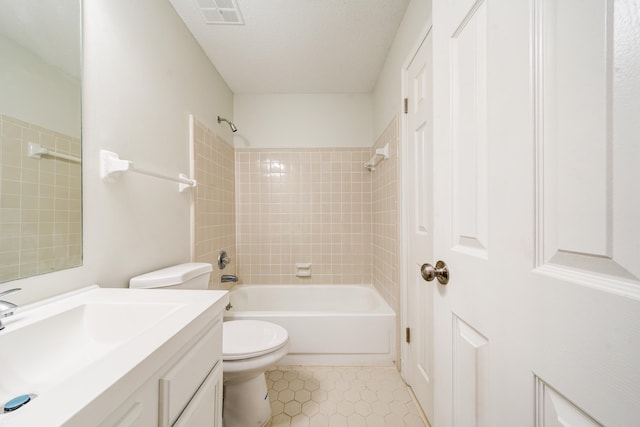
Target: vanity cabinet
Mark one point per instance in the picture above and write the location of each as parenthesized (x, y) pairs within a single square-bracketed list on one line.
[(116, 357), (186, 391)]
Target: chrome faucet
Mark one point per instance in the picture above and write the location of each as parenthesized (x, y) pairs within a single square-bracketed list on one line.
[(7, 308), (228, 278)]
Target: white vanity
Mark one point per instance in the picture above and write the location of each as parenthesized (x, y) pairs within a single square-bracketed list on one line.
[(115, 357)]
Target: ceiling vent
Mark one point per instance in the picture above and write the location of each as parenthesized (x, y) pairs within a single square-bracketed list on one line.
[(220, 12)]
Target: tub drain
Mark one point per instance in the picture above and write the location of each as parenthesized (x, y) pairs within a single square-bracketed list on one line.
[(18, 402)]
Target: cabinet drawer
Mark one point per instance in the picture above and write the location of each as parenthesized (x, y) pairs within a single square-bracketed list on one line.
[(182, 381)]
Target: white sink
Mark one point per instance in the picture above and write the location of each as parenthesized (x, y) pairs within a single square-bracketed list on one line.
[(87, 340), (52, 348)]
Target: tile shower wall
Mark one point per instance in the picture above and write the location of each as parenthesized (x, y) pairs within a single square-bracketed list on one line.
[(385, 234), (215, 219), (40, 206), (304, 206)]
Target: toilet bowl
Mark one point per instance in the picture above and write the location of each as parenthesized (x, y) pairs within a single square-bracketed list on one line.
[(249, 348)]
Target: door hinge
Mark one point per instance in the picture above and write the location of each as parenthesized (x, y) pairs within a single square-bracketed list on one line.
[(406, 105), (407, 335)]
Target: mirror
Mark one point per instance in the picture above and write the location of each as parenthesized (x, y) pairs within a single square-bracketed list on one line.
[(40, 137)]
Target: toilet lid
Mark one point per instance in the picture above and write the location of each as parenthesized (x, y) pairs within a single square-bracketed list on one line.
[(242, 339)]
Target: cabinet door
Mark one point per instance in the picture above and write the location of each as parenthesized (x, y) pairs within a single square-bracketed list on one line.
[(180, 383), (139, 410), (205, 408)]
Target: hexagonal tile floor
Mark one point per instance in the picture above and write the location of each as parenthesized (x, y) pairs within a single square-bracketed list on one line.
[(304, 396)]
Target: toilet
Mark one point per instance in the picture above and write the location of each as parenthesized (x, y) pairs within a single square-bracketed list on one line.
[(249, 348)]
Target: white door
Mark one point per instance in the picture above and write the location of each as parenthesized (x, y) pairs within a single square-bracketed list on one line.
[(418, 161), (536, 212)]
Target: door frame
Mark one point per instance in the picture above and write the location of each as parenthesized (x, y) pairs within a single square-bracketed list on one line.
[(404, 197)]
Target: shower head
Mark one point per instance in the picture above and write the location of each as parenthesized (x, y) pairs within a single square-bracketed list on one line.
[(231, 125)]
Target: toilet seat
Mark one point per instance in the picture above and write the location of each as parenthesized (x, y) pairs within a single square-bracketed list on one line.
[(244, 339)]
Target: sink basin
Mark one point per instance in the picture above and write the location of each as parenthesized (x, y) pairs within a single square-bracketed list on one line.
[(72, 348), (52, 348)]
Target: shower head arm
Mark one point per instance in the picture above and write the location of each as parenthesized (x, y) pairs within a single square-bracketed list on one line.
[(231, 125)]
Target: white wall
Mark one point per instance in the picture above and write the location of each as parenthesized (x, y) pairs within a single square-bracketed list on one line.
[(143, 75), (387, 101), (36, 92), (303, 120), (331, 120)]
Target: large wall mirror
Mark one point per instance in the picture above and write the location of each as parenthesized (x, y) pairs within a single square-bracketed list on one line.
[(40, 137)]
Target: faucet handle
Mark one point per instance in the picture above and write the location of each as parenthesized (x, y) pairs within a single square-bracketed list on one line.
[(9, 291), (223, 259)]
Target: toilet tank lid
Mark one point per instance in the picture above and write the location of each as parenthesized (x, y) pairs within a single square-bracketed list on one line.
[(170, 276)]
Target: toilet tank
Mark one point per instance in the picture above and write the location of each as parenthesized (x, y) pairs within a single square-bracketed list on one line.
[(192, 275)]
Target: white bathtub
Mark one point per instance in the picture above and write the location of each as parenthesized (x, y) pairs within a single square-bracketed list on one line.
[(327, 324)]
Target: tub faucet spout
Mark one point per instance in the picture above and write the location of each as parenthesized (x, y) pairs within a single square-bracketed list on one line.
[(228, 278), (7, 308)]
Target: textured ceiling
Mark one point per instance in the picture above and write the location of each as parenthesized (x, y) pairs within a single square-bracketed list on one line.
[(299, 46)]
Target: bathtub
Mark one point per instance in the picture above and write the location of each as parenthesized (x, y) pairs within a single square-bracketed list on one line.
[(327, 324)]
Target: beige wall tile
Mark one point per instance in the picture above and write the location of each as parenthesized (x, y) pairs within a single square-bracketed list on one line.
[(296, 206), (215, 205), (36, 195)]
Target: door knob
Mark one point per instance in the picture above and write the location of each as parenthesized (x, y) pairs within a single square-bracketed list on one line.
[(440, 272)]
